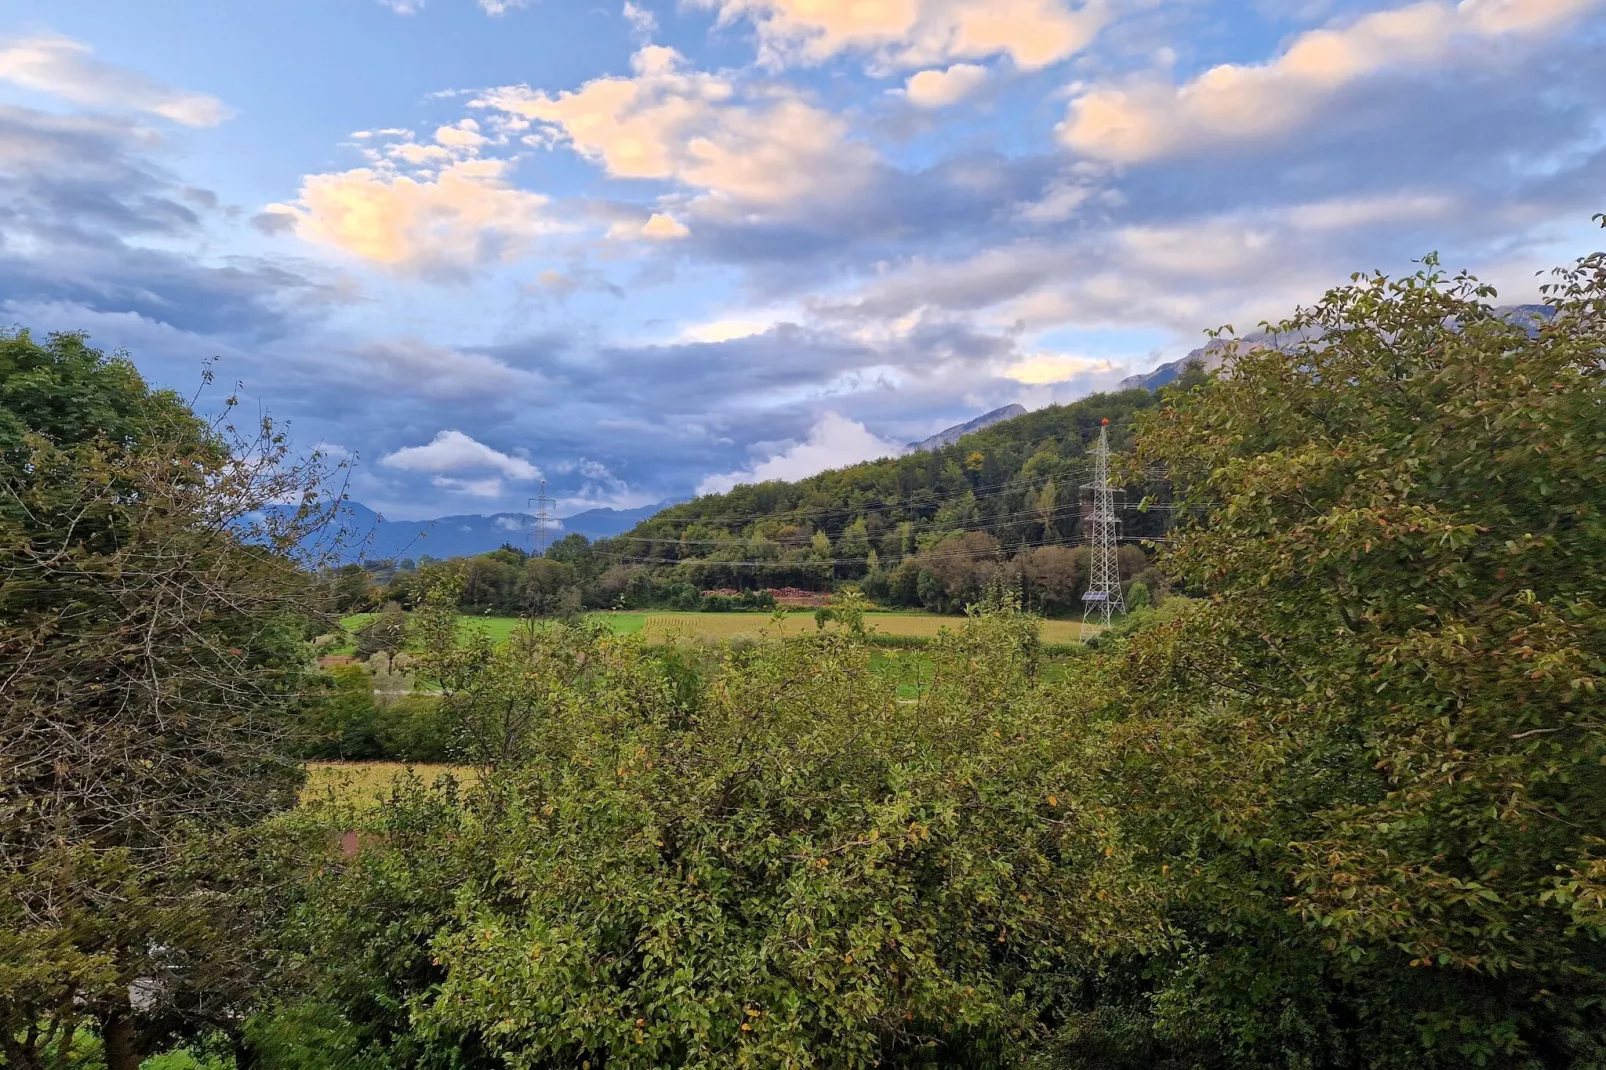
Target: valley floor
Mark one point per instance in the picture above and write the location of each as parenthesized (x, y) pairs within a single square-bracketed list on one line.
[(664, 626)]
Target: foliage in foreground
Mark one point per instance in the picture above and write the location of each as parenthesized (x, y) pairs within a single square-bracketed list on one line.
[(149, 647), (1372, 761), (792, 868), (1343, 811)]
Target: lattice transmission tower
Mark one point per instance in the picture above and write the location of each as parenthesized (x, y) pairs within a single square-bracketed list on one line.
[(1103, 598), (541, 521)]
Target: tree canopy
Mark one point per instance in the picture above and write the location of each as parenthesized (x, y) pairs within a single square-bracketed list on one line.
[(150, 648)]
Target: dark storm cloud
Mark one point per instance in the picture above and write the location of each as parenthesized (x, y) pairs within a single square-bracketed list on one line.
[(662, 417), (955, 201), (79, 197)]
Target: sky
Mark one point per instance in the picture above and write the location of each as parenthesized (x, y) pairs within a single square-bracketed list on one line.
[(643, 250)]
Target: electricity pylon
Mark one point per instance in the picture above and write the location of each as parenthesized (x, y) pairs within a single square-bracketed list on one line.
[(1103, 597), (542, 507)]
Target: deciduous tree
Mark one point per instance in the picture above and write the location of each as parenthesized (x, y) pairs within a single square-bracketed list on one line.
[(151, 642), (1371, 759)]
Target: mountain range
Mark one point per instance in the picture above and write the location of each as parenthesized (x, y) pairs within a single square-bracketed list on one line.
[(375, 538), (1209, 355), (948, 436), (378, 539)]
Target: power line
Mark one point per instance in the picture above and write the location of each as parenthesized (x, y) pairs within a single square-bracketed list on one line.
[(1023, 516), (1020, 516), (924, 556), (1151, 473)]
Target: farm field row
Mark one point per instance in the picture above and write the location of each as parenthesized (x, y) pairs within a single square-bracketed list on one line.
[(368, 782), (661, 627)]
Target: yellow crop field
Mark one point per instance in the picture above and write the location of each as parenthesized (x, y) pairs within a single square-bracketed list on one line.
[(367, 783)]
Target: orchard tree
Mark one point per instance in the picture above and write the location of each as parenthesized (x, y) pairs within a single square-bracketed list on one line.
[(504, 698), (385, 633)]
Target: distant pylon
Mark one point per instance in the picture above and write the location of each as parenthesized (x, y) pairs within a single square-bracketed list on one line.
[(1103, 598), (541, 506)]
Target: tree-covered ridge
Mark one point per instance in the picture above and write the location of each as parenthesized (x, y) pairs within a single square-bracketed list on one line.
[(930, 529), (992, 480), (987, 502)]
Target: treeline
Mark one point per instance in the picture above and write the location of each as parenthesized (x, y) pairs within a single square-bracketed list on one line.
[(984, 501), (930, 530), (952, 573)]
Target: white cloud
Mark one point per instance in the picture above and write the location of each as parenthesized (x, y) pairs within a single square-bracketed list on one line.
[(460, 464), (833, 442), (1236, 266), (464, 136), (917, 33), (725, 330), (599, 488), (1060, 202), (65, 68), (488, 487), (1229, 104), (663, 227), (1349, 212), (671, 122), (643, 23), (658, 227), (438, 224), (496, 8), (940, 88), (1039, 369)]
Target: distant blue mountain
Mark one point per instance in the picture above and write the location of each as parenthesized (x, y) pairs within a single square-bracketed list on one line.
[(373, 538)]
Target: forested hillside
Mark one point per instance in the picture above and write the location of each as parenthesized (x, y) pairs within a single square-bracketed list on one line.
[(1007, 497), (931, 529)]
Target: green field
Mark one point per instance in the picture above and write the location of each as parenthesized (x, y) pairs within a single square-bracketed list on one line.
[(661, 627)]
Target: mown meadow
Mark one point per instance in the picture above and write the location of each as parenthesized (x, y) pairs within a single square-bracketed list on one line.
[(667, 626)]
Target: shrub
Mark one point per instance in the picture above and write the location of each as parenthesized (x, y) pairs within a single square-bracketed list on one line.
[(339, 721), (806, 871), (414, 728)]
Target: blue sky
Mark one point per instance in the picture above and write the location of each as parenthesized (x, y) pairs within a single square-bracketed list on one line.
[(643, 249)]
